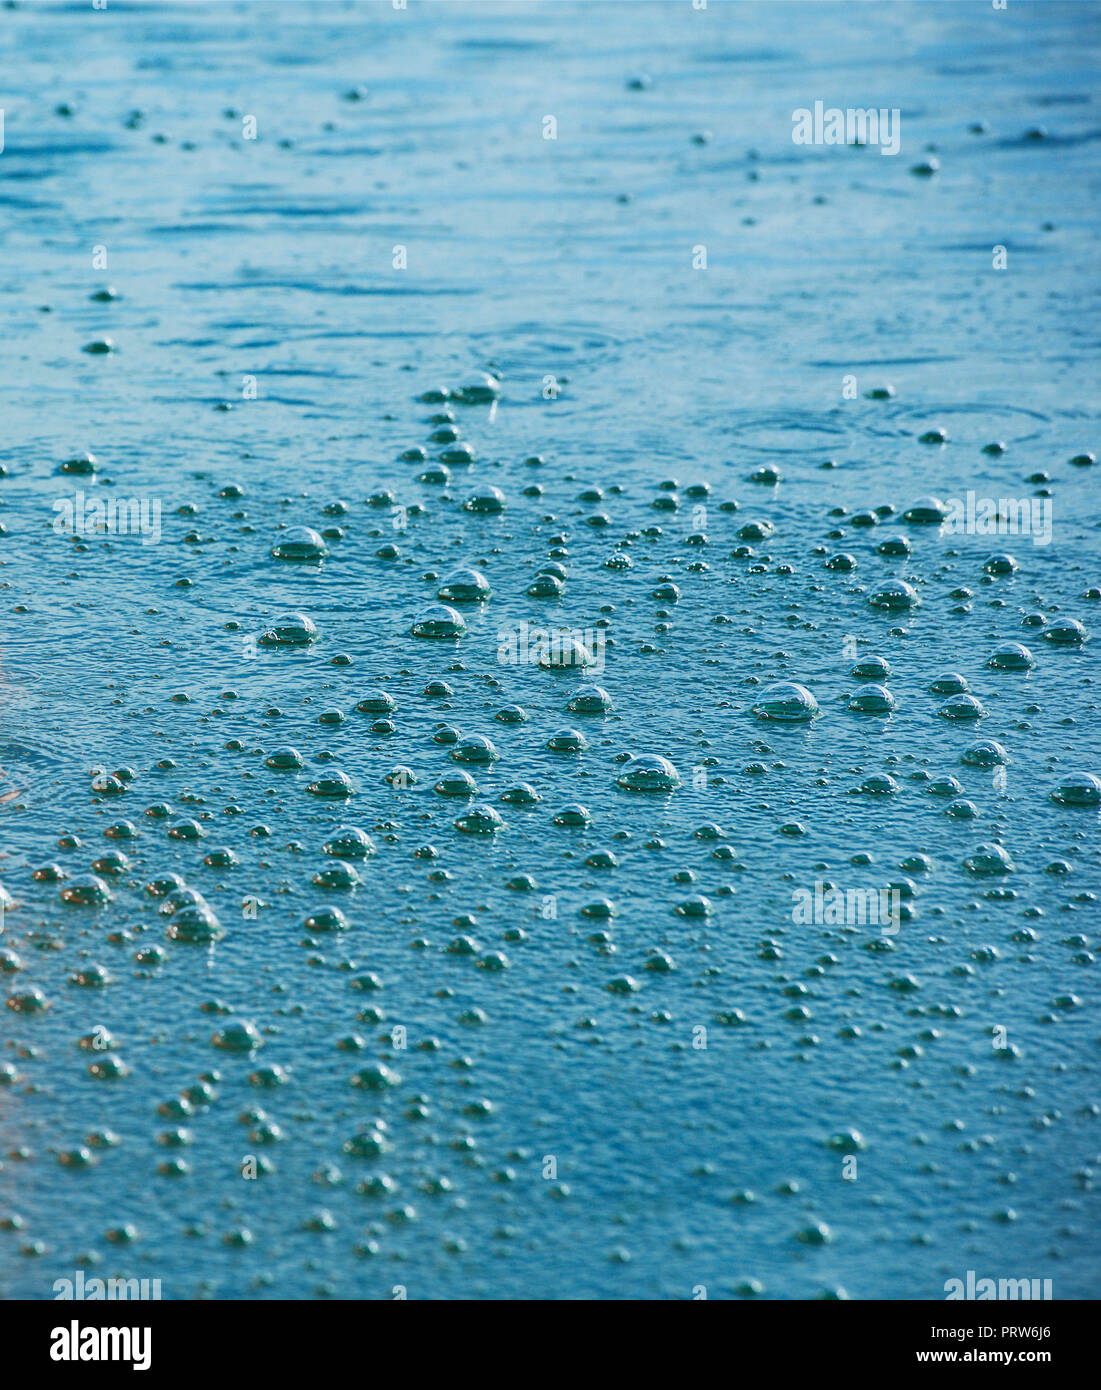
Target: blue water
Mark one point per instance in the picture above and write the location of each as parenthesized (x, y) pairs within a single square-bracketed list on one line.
[(546, 1135)]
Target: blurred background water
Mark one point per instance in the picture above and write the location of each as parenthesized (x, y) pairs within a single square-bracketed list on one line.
[(669, 291)]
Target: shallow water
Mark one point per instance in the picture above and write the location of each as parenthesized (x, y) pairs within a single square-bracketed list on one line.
[(643, 1101)]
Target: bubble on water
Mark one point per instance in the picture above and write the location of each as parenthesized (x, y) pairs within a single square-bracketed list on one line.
[(926, 511), (648, 772), (269, 1076), (164, 885), (1078, 789), (108, 1068), (984, 752), (300, 543), (895, 595), (871, 668), (28, 1001), (523, 794), (86, 890), (1066, 632), (988, 860), (1011, 656), (439, 620), (83, 465), (1000, 564), (180, 898), (340, 875), (370, 1142), (238, 1035), (951, 683), (962, 707), (545, 586), (221, 858), (376, 1076), (880, 784), (285, 758), (332, 784), (350, 842), (185, 829), (894, 545), (477, 389), (465, 586), (946, 786), (289, 630), (786, 702), (567, 652), (574, 814), (486, 500), (567, 741), (457, 783), (195, 924), (376, 702), (325, 919), (872, 699), (475, 748), (694, 906), (846, 1141), (590, 699), (961, 809), (480, 819)]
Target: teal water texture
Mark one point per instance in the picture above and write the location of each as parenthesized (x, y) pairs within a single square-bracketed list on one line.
[(590, 1054)]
